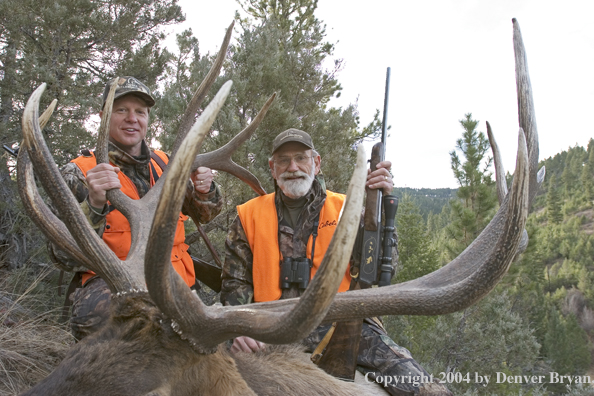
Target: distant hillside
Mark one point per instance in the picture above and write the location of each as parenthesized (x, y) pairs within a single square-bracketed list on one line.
[(429, 200), (542, 311)]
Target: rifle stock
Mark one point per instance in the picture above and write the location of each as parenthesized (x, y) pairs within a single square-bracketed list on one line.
[(368, 270), (373, 202), (340, 357), (207, 273)]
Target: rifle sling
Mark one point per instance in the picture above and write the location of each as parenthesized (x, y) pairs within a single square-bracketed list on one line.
[(159, 162), (317, 353)]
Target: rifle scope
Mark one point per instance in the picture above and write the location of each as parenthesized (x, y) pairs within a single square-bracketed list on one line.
[(390, 208)]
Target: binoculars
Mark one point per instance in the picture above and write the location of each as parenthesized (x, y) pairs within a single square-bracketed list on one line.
[(295, 271)]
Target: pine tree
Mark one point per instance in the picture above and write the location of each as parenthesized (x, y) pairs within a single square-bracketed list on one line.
[(587, 176), (476, 202), (487, 337), (416, 255), (590, 151), (74, 46), (574, 162), (554, 212), (295, 17), (566, 344), (587, 185)]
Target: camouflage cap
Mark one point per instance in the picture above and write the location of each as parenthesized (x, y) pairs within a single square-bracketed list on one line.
[(129, 85), (292, 135)]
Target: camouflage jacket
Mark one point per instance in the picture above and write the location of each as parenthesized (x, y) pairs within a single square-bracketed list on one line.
[(207, 206), (237, 283)]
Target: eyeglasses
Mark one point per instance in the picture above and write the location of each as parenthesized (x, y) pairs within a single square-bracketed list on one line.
[(299, 159)]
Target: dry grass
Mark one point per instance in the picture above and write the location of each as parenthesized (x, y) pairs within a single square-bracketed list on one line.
[(32, 342)]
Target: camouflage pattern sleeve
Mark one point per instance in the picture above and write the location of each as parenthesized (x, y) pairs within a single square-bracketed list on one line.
[(204, 207), (237, 282), (75, 180), (77, 183)]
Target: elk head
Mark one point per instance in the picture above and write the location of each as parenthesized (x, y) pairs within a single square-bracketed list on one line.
[(162, 340)]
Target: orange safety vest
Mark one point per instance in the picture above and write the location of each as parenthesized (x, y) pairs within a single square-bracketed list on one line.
[(260, 223), (117, 234)]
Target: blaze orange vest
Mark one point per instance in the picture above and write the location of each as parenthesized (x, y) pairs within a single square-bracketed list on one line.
[(260, 223), (117, 234)]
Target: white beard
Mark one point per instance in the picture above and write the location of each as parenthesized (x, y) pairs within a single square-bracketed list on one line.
[(296, 188)]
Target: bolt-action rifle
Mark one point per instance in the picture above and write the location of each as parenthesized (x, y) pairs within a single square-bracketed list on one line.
[(342, 341), (375, 269)]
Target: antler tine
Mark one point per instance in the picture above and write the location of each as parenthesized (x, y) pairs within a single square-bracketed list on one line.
[(133, 210), (206, 327), (38, 211), (47, 114), (526, 118), (527, 121), (498, 163), (139, 213), (501, 183), (101, 152), (116, 197), (526, 114), (165, 286), (220, 159), (86, 238), (188, 117)]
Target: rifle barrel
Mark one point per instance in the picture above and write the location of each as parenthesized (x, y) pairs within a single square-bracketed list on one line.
[(385, 117)]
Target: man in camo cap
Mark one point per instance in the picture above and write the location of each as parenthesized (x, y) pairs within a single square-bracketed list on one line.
[(133, 168), (294, 225)]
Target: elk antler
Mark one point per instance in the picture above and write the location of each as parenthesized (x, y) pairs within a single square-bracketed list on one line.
[(477, 270), (139, 213), (527, 121), (220, 159)]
